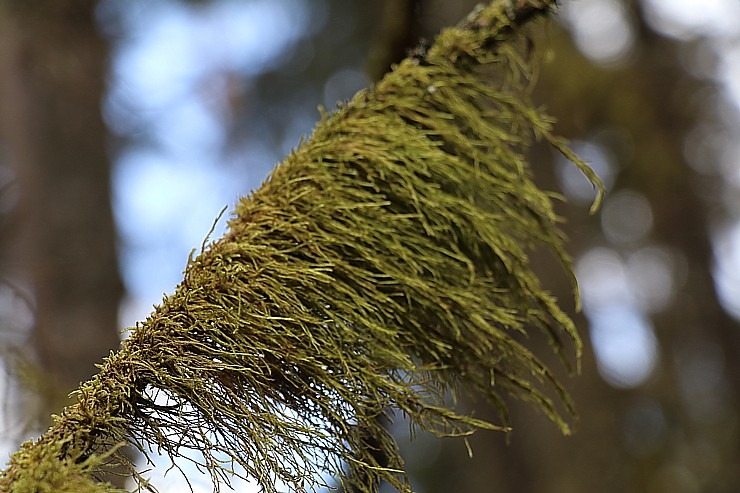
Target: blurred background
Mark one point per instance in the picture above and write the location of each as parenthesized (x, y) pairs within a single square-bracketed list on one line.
[(126, 127)]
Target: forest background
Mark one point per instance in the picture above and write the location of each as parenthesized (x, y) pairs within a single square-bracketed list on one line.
[(112, 172)]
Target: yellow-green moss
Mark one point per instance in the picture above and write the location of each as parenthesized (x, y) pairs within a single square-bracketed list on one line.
[(382, 268)]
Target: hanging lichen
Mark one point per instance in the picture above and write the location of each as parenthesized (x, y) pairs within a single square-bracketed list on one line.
[(381, 269)]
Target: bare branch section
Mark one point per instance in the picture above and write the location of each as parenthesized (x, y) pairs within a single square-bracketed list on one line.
[(382, 268)]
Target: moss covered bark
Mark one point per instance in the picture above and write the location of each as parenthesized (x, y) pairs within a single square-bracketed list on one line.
[(381, 269)]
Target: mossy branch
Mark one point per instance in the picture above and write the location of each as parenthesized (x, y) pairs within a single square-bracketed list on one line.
[(381, 269)]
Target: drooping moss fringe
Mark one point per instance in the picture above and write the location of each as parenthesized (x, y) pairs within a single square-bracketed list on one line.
[(381, 269)]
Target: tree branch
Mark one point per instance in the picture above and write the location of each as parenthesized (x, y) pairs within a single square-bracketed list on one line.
[(383, 266)]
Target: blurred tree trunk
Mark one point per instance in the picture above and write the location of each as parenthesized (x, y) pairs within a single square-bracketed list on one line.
[(52, 76)]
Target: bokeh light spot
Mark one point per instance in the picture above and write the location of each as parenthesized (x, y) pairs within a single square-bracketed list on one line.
[(624, 343), (626, 218), (601, 29)]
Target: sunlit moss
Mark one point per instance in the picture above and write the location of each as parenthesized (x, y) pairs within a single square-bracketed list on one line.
[(382, 268)]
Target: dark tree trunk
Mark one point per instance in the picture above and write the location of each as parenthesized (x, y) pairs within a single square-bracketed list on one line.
[(52, 76)]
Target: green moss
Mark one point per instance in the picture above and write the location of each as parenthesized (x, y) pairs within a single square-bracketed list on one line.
[(381, 269), (46, 467)]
